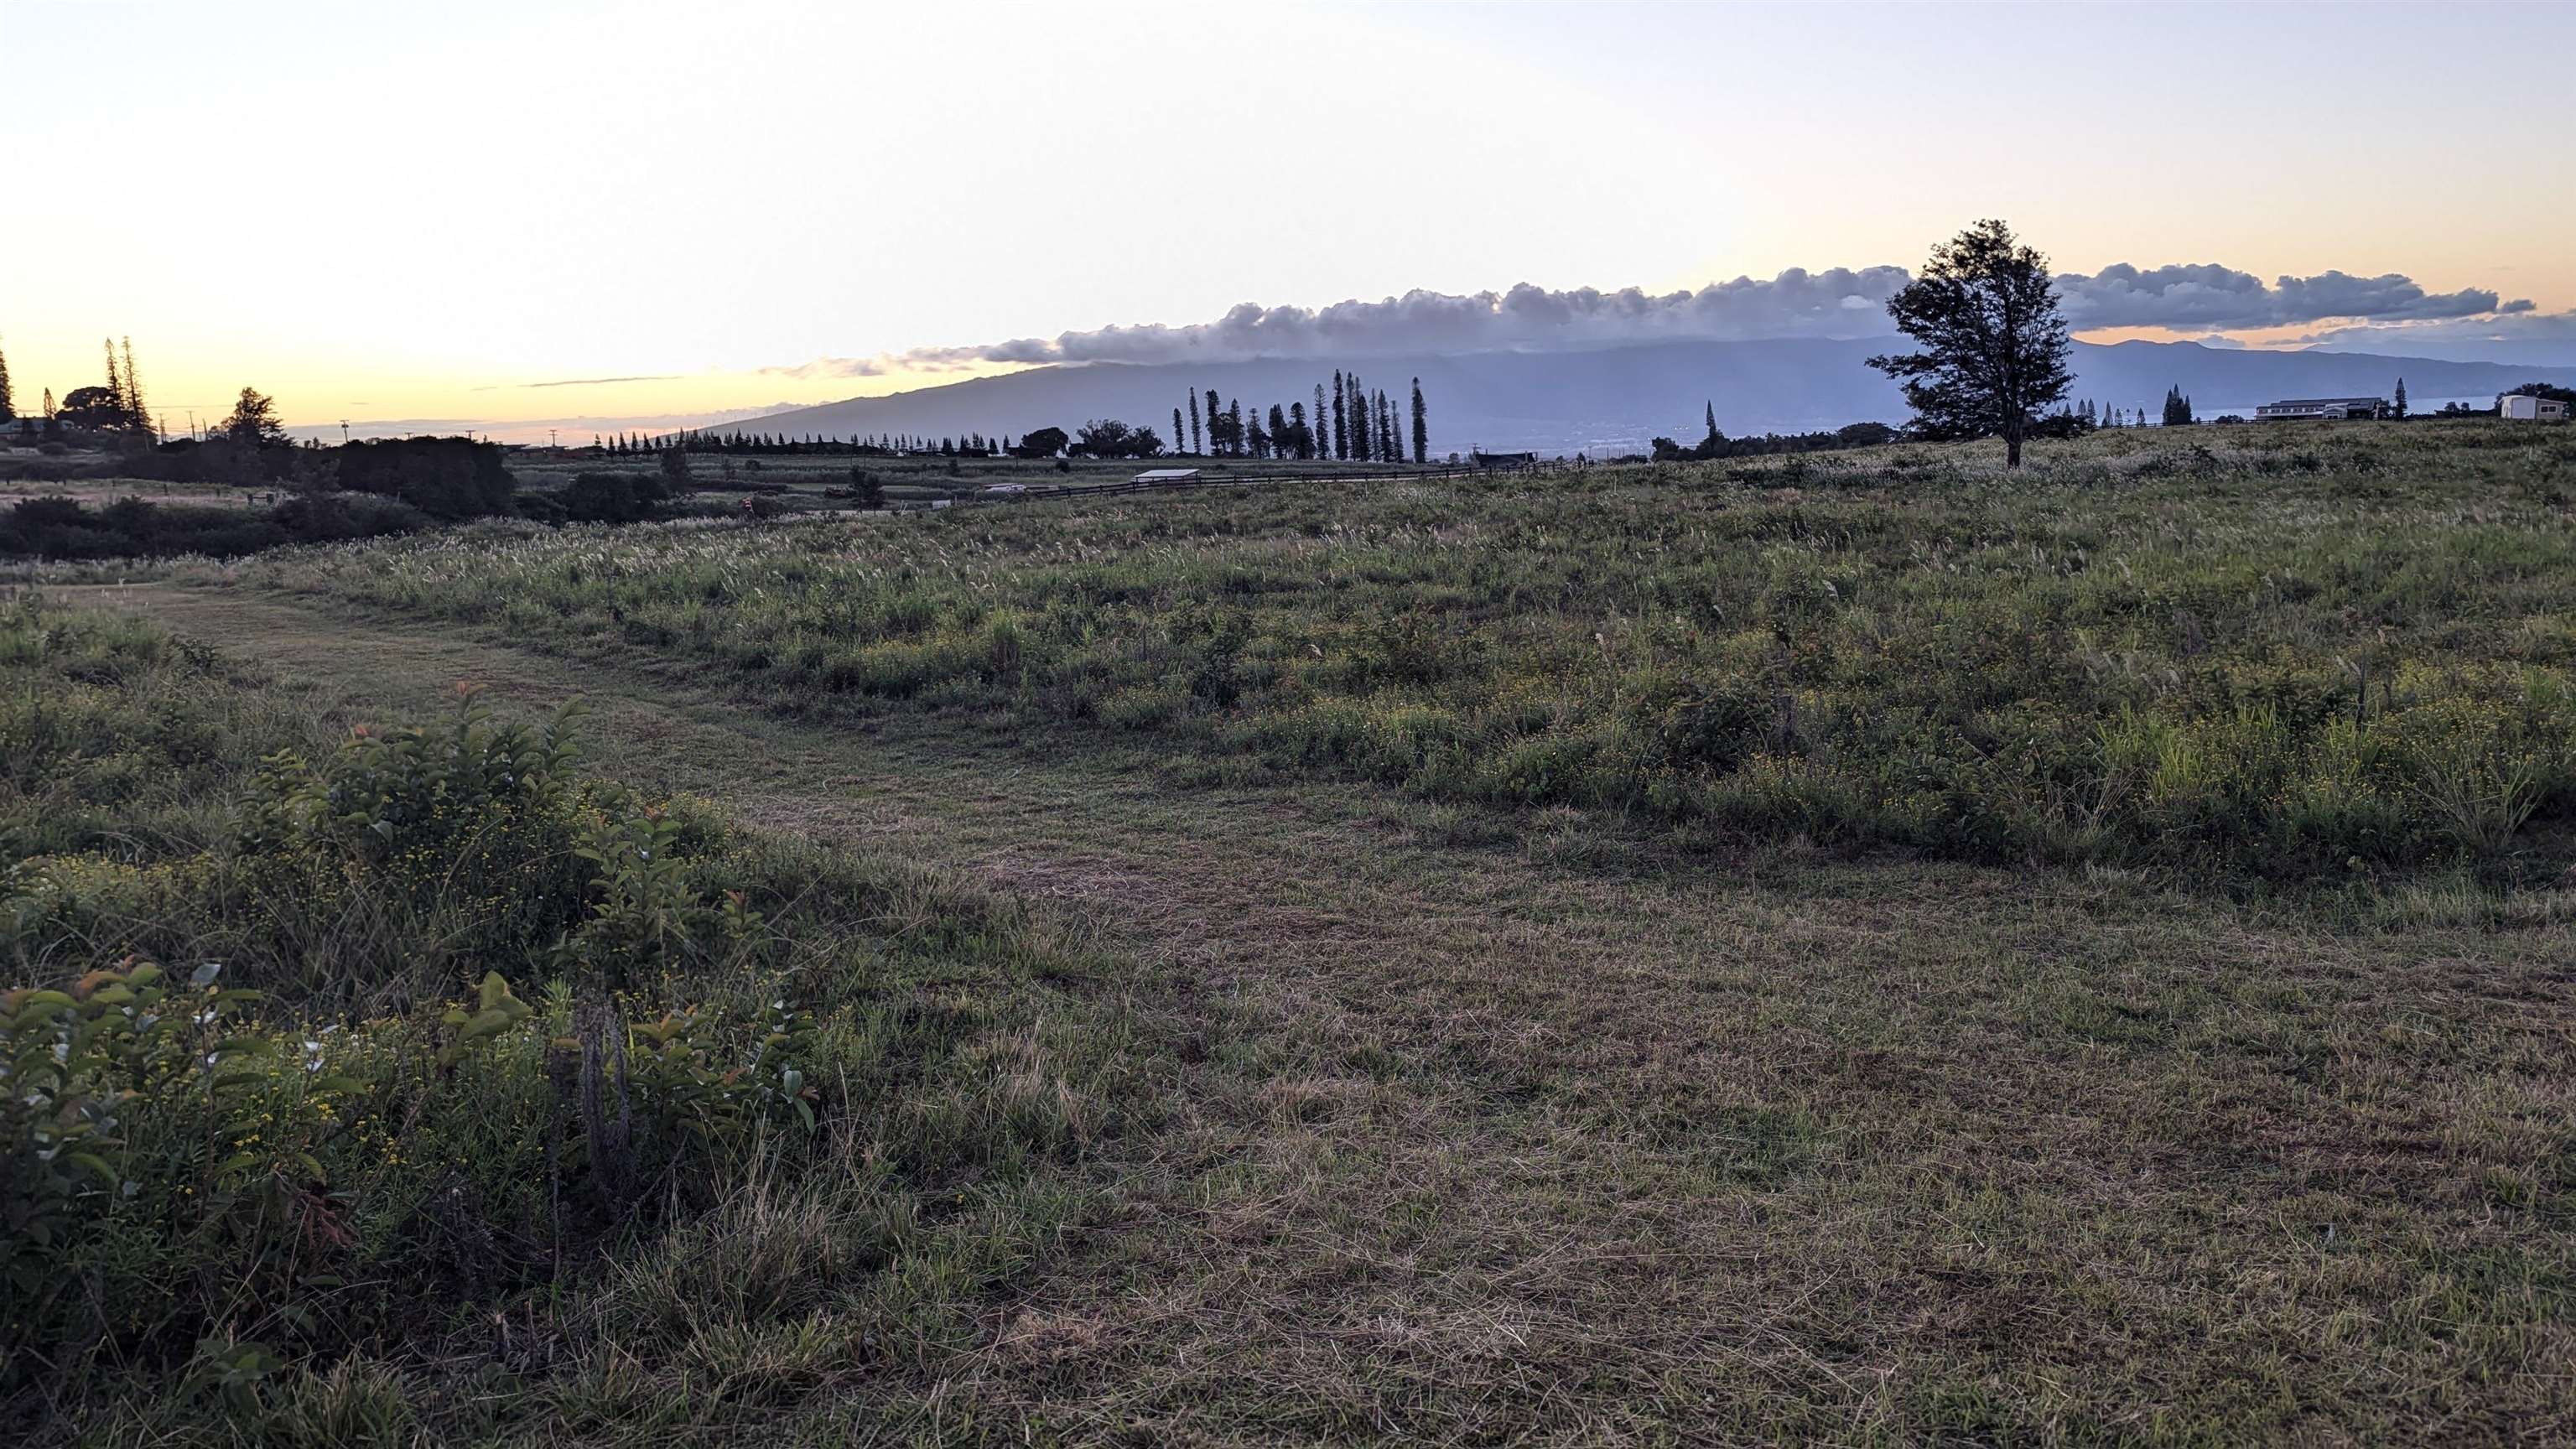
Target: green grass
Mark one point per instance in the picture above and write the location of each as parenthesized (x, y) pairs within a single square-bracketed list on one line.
[(1403, 1112), (311, 1235), (2249, 655)]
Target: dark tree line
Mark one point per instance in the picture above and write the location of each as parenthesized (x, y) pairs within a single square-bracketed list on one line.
[(1350, 423), (1717, 444), (874, 445)]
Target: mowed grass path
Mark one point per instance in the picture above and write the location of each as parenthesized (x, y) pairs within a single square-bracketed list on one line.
[(1518, 1128)]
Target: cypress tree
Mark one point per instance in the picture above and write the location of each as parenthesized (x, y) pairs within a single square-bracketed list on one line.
[(1176, 430), (1323, 434), (1215, 433), (1422, 426), (1195, 445), (1341, 423), (135, 412), (115, 384), (9, 404), (1281, 442), (1234, 426)]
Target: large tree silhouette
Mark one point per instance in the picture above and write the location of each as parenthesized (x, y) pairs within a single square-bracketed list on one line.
[(1994, 347)]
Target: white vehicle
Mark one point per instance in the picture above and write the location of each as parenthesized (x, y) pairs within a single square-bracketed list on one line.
[(1005, 490)]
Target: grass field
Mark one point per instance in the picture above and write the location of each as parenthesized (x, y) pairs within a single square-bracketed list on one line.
[(2302, 657), (817, 482), (1413, 1107)]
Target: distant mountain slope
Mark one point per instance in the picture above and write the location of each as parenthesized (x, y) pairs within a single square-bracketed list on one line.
[(1616, 398)]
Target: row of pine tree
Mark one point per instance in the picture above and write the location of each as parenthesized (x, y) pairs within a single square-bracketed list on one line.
[(1349, 423)]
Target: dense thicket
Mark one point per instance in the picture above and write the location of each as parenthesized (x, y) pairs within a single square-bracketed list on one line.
[(66, 529), (446, 478)]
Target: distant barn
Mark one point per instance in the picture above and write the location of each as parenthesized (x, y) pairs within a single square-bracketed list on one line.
[(2294, 408), (1504, 462), (1167, 475)]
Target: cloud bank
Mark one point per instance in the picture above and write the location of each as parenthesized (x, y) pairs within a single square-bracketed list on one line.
[(1837, 303), (2209, 295), (2516, 333)]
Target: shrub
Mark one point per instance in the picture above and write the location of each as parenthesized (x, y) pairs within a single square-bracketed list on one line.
[(446, 478), (485, 1030), (611, 497)]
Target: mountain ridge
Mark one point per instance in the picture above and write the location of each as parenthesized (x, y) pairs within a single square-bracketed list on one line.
[(1615, 398)]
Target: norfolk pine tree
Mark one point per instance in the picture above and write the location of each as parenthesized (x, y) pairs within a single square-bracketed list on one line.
[(135, 411)]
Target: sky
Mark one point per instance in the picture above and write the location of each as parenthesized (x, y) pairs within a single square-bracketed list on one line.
[(506, 216)]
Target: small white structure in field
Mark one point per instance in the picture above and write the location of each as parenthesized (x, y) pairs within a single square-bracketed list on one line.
[(2290, 409), (2523, 407), (1167, 476)]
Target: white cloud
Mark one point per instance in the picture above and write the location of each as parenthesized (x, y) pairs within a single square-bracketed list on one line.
[(2209, 295), (1835, 303)]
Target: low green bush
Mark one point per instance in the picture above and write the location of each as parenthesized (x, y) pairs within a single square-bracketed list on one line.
[(421, 1024)]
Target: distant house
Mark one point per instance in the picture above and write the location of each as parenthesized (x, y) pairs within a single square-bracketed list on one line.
[(2522, 407), (1504, 462), (1167, 476), (2290, 409)]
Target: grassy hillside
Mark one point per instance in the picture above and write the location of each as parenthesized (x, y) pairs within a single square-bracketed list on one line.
[(2309, 654)]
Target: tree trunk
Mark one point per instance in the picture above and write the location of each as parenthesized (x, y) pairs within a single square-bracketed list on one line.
[(2012, 447)]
